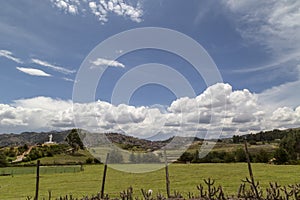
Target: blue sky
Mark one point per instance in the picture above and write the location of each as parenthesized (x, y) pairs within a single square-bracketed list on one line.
[(255, 46)]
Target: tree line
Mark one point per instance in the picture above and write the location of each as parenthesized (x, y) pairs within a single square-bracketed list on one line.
[(238, 155), (288, 151)]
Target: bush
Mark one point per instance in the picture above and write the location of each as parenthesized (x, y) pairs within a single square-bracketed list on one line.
[(262, 156), (186, 157), (10, 152), (281, 156), (229, 157), (252, 142), (97, 161), (3, 161), (240, 155), (89, 160)]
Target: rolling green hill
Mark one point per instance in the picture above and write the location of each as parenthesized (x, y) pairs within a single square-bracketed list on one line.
[(262, 146)]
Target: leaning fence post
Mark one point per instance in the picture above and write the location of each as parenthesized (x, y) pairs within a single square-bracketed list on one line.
[(104, 176), (250, 171), (37, 180), (167, 174), (249, 163)]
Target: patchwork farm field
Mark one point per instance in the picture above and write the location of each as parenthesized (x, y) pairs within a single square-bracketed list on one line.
[(183, 177)]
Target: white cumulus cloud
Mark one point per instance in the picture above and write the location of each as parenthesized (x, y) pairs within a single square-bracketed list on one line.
[(33, 72), (239, 112)]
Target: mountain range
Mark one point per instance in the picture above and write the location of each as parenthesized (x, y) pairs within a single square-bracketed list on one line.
[(34, 138), (125, 141)]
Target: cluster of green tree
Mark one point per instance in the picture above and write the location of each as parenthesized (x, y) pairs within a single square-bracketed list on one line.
[(45, 151), (116, 156), (74, 140), (10, 152), (144, 158), (131, 147), (3, 161), (22, 149), (225, 157), (264, 136), (289, 149)]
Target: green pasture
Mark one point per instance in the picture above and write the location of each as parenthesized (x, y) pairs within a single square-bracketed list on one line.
[(184, 178), (12, 171)]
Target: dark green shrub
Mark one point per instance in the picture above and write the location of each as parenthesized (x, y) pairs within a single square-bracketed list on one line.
[(3, 161), (89, 160), (281, 156), (240, 155), (186, 157)]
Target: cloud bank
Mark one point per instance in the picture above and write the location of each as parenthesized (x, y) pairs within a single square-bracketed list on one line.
[(101, 9), (244, 113)]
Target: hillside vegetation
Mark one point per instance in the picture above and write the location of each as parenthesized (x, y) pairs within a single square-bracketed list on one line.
[(277, 146)]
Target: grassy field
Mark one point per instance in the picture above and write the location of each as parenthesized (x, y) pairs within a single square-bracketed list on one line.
[(43, 170), (183, 177)]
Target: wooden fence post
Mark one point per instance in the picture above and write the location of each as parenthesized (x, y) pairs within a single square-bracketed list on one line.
[(167, 174), (104, 176), (250, 172), (37, 180), (248, 162)]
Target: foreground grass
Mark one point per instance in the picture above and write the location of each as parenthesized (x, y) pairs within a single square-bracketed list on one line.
[(183, 177)]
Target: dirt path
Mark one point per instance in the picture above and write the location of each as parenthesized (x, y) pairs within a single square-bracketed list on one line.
[(21, 157)]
